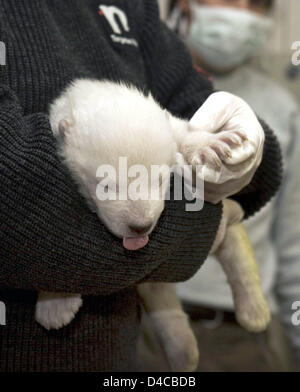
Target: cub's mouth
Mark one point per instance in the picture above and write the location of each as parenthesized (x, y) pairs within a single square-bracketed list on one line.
[(135, 243)]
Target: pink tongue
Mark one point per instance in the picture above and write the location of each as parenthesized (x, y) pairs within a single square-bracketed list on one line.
[(135, 243)]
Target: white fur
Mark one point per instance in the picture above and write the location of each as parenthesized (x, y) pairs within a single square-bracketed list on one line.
[(54, 310)]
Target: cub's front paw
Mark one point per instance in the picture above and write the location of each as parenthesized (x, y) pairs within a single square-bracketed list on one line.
[(55, 310), (212, 150)]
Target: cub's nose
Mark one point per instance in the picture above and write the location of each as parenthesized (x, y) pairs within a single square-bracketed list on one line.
[(140, 229)]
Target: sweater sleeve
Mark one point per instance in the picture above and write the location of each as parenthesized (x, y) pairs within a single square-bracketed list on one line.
[(49, 238), (182, 89)]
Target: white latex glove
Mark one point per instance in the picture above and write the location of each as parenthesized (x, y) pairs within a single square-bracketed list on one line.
[(226, 143)]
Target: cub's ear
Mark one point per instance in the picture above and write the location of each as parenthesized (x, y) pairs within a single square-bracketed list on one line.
[(63, 128)]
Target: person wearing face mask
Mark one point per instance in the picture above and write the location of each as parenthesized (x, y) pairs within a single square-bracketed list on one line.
[(222, 36)]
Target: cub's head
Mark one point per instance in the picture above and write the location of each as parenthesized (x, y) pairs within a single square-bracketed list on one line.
[(119, 147)]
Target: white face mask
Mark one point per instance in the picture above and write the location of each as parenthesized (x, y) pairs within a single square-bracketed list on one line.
[(226, 37)]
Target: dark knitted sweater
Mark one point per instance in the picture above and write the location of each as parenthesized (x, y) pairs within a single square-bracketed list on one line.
[(49, 240)]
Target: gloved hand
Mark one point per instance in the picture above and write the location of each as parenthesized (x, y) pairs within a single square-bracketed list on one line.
[(225, 142)]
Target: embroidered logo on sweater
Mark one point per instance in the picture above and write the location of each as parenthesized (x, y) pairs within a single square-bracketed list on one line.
[(118, 22)]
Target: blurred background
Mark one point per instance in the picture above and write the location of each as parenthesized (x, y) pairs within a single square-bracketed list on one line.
[(275, 58)]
